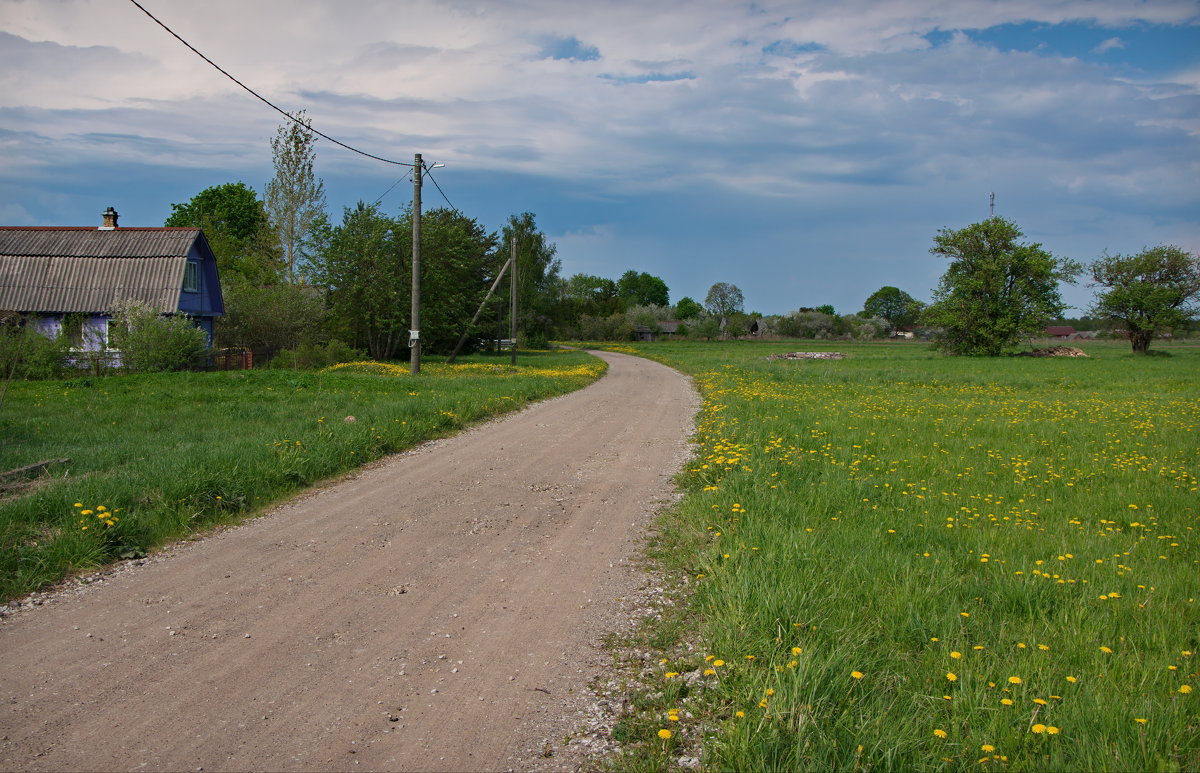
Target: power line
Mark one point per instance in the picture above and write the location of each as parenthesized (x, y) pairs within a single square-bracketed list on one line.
[(407, 176), (263, 99), (435, 184)]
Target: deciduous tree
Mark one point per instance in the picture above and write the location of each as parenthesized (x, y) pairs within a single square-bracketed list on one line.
[(687, 308), (236, 227), (537, 278), (1155, 291), (295, 195), (893, 304), (723, 299), (642, 289), (997, 290)]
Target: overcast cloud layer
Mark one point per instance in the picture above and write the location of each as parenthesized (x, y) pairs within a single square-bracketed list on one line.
[(807, 152)]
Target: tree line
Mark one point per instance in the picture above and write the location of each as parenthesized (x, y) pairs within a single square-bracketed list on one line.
[(295, 281)]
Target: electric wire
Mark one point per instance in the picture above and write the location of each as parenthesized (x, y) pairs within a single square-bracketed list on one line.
[(435, 184), (263, 99), (407, 176)]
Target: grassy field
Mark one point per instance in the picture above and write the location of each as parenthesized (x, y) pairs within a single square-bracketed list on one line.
[(902, 561), (156, 457)]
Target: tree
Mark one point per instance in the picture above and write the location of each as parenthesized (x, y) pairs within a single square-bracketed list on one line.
[(364, 270), (295, 196), (893, 304), (687, 308), (583, 294), (723, 299), (271, 317), (708, 328), (642, 290), (537, 278), (367, 268), (1156, 290), (997, 290), (236, 226)]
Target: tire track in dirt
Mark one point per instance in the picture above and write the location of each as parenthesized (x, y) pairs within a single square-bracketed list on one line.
[(439, 611)]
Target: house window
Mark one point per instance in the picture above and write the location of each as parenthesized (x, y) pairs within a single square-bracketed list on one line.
[(191, 277)]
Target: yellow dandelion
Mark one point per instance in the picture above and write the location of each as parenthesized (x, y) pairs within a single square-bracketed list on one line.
[(856, 674), (770, 691), (664, 734), (987, 747), (1051, 730), (1006, 701), (709, 672), (1140, 720), (796, 650), (1072, 679), (718, 663), (739, 714), (956, 655), (763, 703), (940, 733), (1014, 680), (952, 676), (1039, 728), (1185, 689), (671, 674), (1106, 650)]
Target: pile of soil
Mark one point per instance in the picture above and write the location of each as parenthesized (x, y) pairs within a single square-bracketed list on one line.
[(1055, 351), (808, 356)]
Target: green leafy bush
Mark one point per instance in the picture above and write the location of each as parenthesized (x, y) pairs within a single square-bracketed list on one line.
[(151, 343)]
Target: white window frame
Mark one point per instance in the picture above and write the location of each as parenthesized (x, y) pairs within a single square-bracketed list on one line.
[(191, 277)]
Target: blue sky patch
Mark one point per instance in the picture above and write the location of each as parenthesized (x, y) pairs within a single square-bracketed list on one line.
[(1148, 49), (568, 48)]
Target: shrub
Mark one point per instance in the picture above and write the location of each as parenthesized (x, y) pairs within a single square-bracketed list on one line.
[(149, 342), (310, 356), (27, 354)]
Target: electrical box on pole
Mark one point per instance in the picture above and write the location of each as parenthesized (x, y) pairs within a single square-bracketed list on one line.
[(414, 333)]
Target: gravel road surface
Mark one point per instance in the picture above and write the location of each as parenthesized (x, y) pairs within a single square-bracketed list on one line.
[(440, 610)]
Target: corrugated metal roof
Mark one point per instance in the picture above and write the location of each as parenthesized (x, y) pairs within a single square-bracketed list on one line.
[(68, 270)]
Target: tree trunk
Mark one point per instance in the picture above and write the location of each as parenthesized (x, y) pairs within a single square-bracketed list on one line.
[(1140, 340)]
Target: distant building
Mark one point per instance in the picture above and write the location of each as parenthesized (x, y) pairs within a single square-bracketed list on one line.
[(1060, 332)]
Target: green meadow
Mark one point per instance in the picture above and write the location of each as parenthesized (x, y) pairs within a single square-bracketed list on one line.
[(904, 561), (154, 458)]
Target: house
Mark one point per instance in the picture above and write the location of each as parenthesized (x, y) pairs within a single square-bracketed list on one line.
[(1060, 332), (60, 274)]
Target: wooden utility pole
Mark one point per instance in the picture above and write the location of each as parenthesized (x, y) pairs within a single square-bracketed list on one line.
[(414, 333), (512, 243)]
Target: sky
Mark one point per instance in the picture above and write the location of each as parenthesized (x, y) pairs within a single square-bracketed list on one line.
[(807, 152)]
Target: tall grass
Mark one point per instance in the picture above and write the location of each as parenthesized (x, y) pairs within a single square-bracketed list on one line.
[(902, 561), (155, 457)]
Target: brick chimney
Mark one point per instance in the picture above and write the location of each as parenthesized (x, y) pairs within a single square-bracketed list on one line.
[(110, 220)]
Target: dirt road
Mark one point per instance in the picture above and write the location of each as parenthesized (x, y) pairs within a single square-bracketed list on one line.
[(439, 611)]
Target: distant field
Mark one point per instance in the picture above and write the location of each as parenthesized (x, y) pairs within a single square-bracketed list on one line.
[(903, 561), (155, 457)]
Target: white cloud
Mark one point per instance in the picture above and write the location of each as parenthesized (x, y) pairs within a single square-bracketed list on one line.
[(809, 107)]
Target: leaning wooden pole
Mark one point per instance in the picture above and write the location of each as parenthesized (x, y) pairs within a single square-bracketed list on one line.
[(463, 339)]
